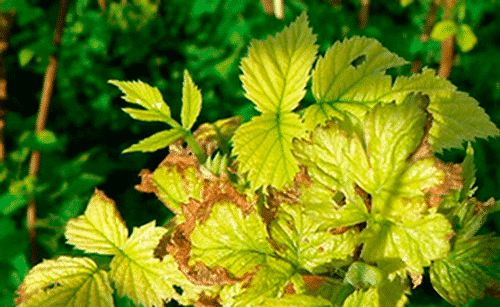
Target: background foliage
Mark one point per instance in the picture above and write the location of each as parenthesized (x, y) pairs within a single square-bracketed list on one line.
[(154, 41)]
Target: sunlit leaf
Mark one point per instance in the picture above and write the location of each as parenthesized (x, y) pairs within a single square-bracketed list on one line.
[(276, 70), (264, 148), (143, 278), (349, 63), (230, 239), (158, 140), (66, 281), (415, 242), (100, 229), (148, 97), (191, 102)]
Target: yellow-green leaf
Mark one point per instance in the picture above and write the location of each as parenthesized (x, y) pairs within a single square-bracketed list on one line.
[(466, 38), (444, 29), (347, 64), (66, 281), (136, 273), (148, 97), (276, 70), (264, 148), (158, 140), (191, 102), (100, 229)]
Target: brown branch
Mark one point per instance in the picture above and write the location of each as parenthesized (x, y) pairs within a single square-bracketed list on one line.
[(430, 21), (103, 5), (275, 7), (448, 45), (363, 14), (41, 122), (6, 20)]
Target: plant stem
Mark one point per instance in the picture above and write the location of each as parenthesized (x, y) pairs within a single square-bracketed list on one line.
[(363, 14), (200, 154), (6, 19), (41, 122)]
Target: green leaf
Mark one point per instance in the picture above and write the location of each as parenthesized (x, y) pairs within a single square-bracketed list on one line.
[(466, 38), (264, 148), (362, 274), (457, 117), (346, 64), (416, 242), (405, 3), (25, 56), (269, 282), (139, 275), (100, 229), (158, 140), (191, 102), (444, 29), (276, 70), (363, 298), (297, 300), (231, 240), (66, 281), (300, 243), (148, 97), (468, 271)]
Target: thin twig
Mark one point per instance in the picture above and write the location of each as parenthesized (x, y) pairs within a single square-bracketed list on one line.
[(363, 14), (41, 122), (6, 19)]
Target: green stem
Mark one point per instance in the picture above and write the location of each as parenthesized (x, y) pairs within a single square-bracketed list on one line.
[(200, 154)]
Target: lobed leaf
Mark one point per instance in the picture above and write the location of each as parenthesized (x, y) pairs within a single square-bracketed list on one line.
[(415, 242), (264, 148), (100, 229), (276, 70), (349, 63), (66, 281), (139, 275), (300, 242), (231, 240), (468, 271), (363, 298), (191, 102)]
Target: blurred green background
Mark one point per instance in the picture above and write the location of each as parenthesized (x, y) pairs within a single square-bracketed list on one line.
[(154, 41)]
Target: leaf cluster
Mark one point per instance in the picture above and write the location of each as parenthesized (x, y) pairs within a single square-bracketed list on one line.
[(340, 203)]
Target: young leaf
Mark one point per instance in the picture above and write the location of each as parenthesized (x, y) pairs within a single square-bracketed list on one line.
[(158, 140), (468, 271), (444, 29), (191, 102), (147, 97), (100, 229), (264, 148), (275, 74), (231, 240), (351, 62), (276, 70), (66, 281), (143, 278), (468, 173), (415, 242)]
